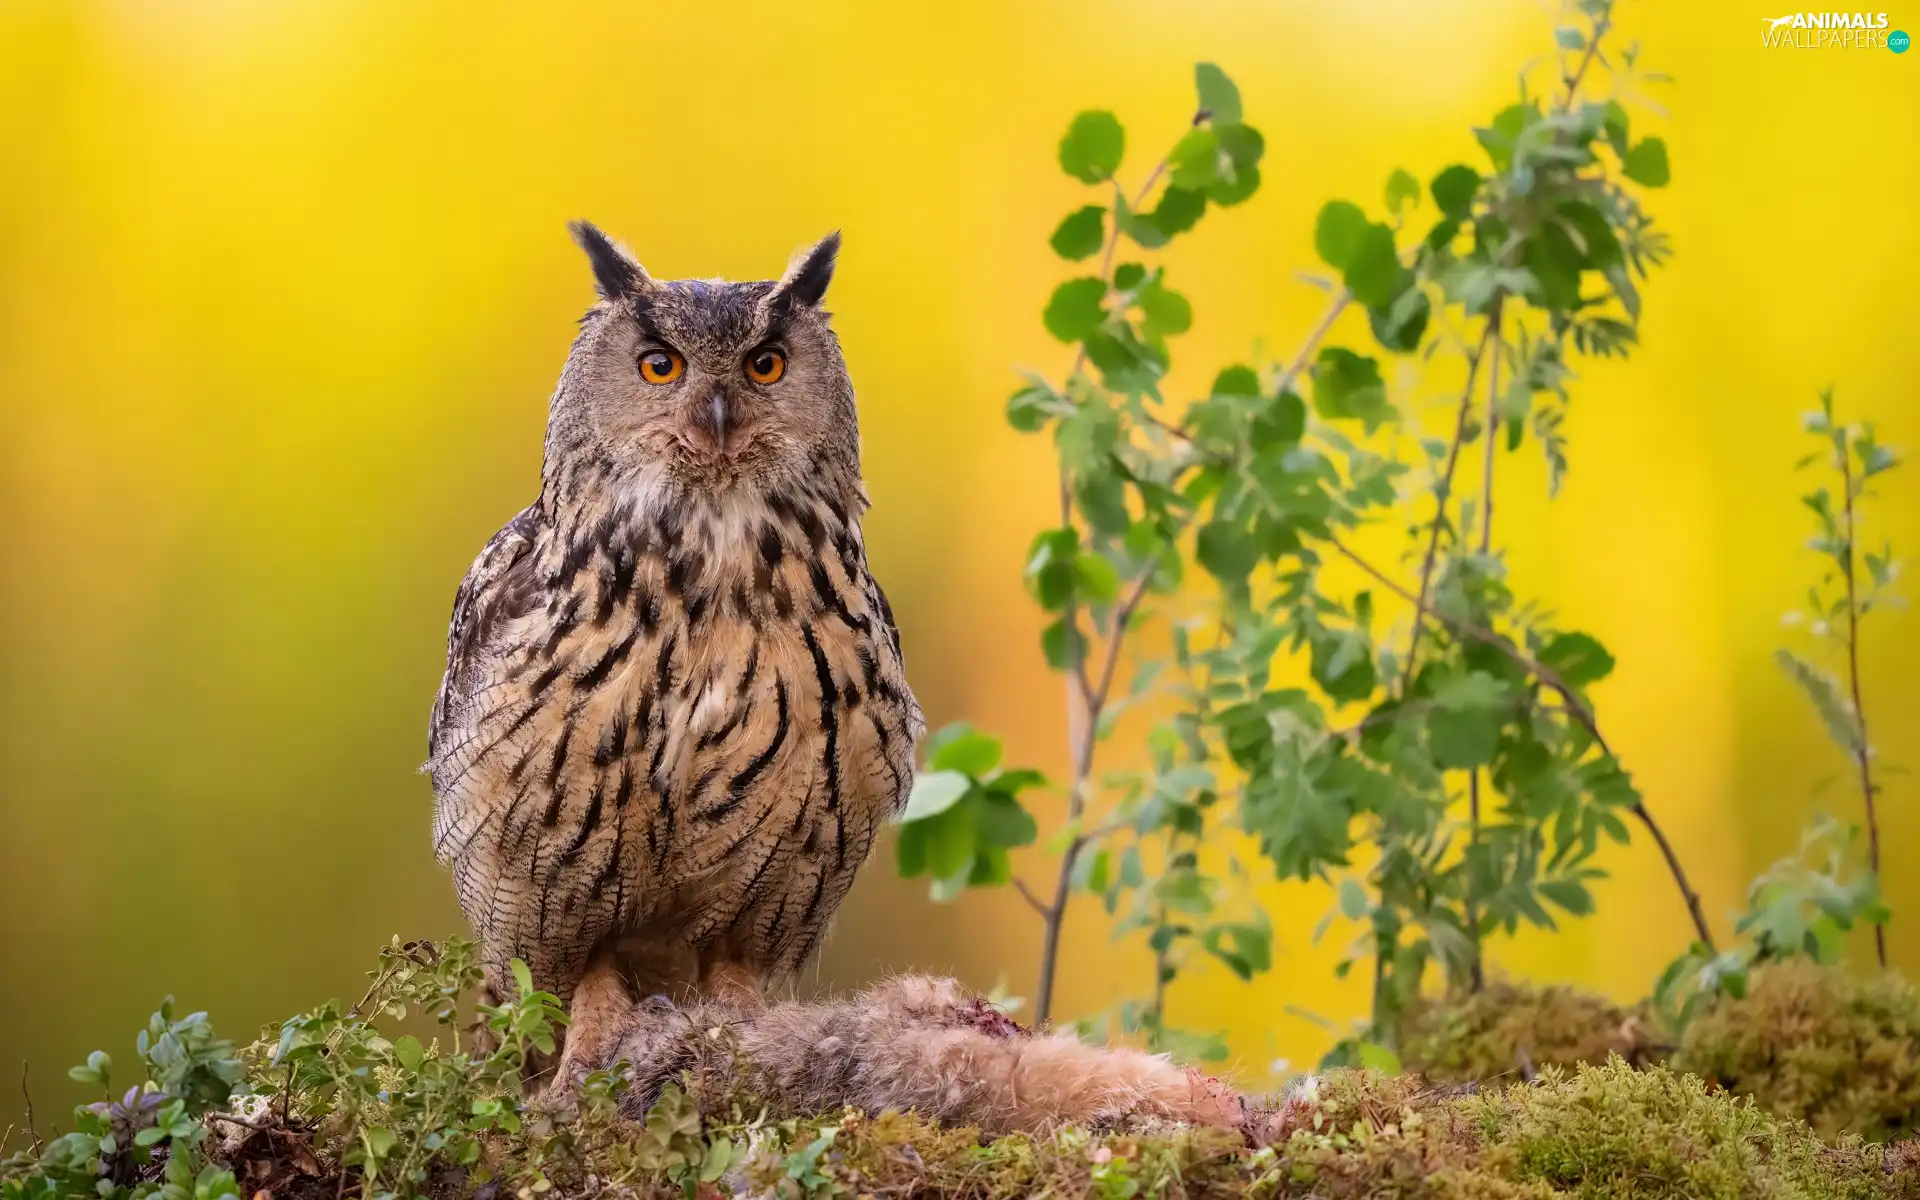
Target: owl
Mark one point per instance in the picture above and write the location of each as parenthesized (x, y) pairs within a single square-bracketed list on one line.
[(674, 713)]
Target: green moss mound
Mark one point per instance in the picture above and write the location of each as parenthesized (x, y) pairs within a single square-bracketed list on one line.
[(1810, 1042), (1805, 1041), (1511, 1031)]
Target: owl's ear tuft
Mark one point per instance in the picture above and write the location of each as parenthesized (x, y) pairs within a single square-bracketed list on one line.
[(806, 280), (615, 272)]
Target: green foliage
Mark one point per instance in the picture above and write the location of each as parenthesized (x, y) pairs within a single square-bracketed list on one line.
[(1291, 707), (1802, 906), (965, 814)]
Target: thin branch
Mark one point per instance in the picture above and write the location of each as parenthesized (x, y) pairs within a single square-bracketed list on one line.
[(1442, 490), (32, 1130), (1861, 754), (1054, 913), (1026, 893), (1478, 974), (1576, 708), (1600, 26), (1319, 333), (236, 1119)]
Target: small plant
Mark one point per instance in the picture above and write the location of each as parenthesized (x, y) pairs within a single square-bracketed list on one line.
[(148, 1140), (1807, 903), (1444, 774), (1841, 598)]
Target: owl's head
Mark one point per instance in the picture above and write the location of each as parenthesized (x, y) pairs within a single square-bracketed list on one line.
[(707, 384)]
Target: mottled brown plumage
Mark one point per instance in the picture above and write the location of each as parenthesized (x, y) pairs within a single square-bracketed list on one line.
[(674, 713)]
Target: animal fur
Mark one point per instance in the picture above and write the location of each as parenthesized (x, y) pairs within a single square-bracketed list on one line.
[(911, 1043)]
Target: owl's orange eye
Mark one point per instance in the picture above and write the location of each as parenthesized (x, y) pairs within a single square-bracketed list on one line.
[(661, 366), (766, 366)]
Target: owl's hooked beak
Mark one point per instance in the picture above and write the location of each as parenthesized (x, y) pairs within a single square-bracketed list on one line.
[(716, 418)]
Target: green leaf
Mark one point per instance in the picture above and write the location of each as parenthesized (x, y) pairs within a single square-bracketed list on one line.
[(969, 751), (1500, 138), (1454, 189), (1163, 312), (1569, 38), (1081, 235), (1373, 266), (1823, 691), (1242, 144), (1095, 579), (1002, 821), (1353, 900), (1062, 644), (1569, 894), (1237, 380), (950, 841), (1184, 890), (1102, 498), (1029, 409), (1614, 122), (1577, 659), (1337, 233), (1646, 163), (1179, 210), (1195, 159), (1050, 567), (1399, 325), (1555, 263), (1403, 190), (1093, 146), (408, 1052), (1229, 192), (1347, 386), (934, 792), (1226, 550), (522, 977), (1471, 690), (1602, 249), (1463, 738), (1375, 1057), (1218, 95), (1076, 309)]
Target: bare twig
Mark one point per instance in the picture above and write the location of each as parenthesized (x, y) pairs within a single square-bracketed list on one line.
[(1442, 490), (1341, 299), (33, 1130), (1861, 754), (236, 1119), (1027, 894), (1600, 26), (1576, 708), (1082, 747)]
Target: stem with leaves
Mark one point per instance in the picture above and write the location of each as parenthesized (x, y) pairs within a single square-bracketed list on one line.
[(1862, 752)]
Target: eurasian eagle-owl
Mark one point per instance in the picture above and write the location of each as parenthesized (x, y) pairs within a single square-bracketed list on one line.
[(674, 712)]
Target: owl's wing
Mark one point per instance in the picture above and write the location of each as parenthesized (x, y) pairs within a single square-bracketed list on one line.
[(500, 586)]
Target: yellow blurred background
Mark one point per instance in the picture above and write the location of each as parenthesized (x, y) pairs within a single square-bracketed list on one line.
[(284, 287)]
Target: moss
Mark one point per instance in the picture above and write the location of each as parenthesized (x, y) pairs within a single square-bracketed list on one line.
[(1513, 1030), (1609, 1131), (1839, 1053), (1806, 1041)]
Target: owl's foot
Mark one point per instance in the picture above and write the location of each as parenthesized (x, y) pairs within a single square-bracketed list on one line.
[(731, 982), (599, 1010)]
